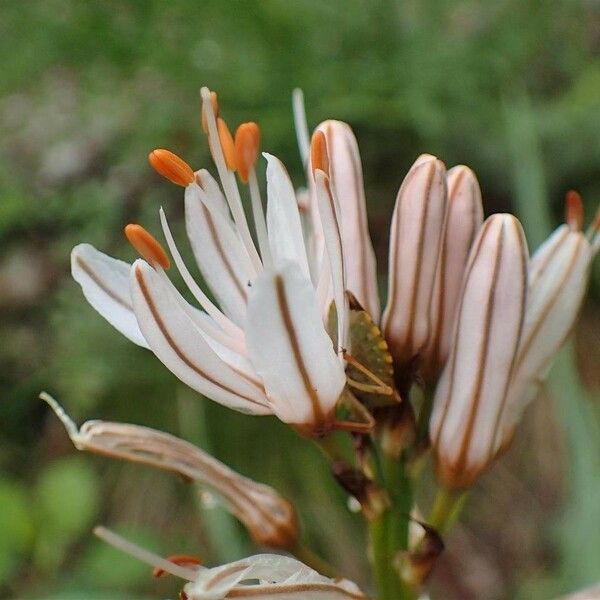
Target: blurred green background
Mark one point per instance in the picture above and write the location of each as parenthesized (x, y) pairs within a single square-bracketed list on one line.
[(87, 89)]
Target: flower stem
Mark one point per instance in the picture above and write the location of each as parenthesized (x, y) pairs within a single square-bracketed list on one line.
[(446, 508)]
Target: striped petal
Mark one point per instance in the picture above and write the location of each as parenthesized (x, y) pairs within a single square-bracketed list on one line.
[(464, 218), (554, 299), (416, 234), (221, 257), (283, 219), (290, 349), (329, 212), (471, 395), (105, 284), (269, 576), (175, 338), (345, 173)]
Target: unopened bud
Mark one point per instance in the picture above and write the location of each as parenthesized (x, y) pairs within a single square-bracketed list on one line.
[(416, 234), (147, 245), (171, 167), (464, 218), (470, 398), (247, 141)]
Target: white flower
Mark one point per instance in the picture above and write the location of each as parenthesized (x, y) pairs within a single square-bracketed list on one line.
[(265, 349), (260, 577)]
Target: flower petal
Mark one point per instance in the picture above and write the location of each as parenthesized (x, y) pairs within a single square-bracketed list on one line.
[(221, 257), (283, 219), (176, 340), (328, 210), (290, 349), (105, 284), (269, 576), (416, 234), (464, 218), (554, 299), (471, 395), (345, 173)]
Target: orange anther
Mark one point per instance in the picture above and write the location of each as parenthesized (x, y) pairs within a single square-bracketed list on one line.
[(574, 210), (319, 157), (227, 144), (247, 140), (172, 167), (183, 560), (147, 246), (215, 106)]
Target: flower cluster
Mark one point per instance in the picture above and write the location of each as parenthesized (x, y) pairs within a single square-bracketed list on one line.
[(296, 332)]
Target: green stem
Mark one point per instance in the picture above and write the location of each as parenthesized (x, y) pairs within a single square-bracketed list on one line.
[(446, 509)]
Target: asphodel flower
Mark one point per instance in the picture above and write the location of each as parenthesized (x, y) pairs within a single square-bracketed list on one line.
[(295, 330), (260, 577), (269, 518), (514, 315), (265, 348)]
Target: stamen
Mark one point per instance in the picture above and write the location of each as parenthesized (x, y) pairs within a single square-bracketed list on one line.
[(382, 388), (147, 246), (228, 326), (215, 110), (301, 125), (260, 223), (110, 537), (319, 156), (574, 210), (171, 167), (228, 182), (177, 559), (227, 144), (247, 141)]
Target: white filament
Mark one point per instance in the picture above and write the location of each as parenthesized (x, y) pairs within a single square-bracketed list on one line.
[(154, 560), (232, 194), (301, 125), (194, 288), (259, 219)]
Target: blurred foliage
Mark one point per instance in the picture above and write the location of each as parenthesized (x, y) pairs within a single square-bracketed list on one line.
[(511, 88)]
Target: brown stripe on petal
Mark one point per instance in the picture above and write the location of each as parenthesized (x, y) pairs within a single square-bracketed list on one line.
[(458, 329), (524, 267), (224, 574), (224, 258), (420, 252), (178, 351), (302, 589), (92, 275), (295, 347), (550, 255), (484, 354)]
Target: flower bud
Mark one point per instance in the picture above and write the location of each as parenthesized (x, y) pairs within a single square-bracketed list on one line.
[(471, 395), (416, 234), (345, 173), (559, 275), (464, 218)]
